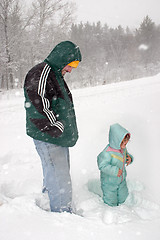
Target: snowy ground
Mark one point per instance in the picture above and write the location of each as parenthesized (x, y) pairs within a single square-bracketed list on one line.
[(133, 104)]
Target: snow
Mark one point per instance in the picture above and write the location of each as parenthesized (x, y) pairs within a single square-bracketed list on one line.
[(133, 104)]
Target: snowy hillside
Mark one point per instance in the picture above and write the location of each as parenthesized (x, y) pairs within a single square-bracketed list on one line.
[(136, 106)]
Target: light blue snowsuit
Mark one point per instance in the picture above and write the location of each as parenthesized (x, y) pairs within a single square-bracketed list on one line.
[(110, 160)]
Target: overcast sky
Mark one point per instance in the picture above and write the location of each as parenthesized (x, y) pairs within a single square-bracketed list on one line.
[(118, 12)]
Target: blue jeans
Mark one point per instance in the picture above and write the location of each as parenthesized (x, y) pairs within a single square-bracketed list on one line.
[(56, 175)]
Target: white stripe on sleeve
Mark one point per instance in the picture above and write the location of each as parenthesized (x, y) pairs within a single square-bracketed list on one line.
[(45, 101)]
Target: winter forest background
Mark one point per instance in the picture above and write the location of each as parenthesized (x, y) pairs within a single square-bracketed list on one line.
[(30, 31), (112, 57)]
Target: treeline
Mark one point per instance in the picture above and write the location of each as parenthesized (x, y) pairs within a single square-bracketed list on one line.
[(116, 54), (28, 34)]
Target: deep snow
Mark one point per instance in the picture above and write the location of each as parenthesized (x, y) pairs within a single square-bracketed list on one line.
[(136, 106)]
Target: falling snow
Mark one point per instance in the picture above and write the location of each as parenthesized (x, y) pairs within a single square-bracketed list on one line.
[(24, 209)]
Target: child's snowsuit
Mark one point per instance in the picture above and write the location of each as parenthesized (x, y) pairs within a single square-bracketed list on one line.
[(110, 160)]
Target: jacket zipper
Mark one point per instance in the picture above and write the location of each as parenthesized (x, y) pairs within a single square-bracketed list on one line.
[(123, 164)]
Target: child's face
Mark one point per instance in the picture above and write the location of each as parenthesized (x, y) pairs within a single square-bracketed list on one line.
[(124, 143)]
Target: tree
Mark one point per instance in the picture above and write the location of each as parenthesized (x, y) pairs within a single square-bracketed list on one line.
[(26, 38), (51, 22), (5, 10), (11, 31), (145, 33), (146, 37)]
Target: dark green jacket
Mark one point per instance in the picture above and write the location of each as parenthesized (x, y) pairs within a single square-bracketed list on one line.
[(50, 115)]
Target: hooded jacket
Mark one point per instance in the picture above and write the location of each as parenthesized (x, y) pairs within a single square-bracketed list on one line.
[(113, 158), (50, 115)]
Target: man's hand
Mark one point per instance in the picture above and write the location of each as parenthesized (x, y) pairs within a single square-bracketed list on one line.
[(129, 160), (119, 173)]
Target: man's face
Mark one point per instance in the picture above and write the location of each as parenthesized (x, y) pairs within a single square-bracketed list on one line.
[(66, 69)]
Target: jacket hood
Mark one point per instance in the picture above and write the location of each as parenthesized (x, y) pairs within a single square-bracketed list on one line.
[(116, 135), (63, 53)]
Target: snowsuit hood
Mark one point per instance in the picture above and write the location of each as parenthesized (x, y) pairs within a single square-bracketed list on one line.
[(63, 54), (116, 135)]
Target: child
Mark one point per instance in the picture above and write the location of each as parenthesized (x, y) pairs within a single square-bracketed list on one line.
[(111, 163)]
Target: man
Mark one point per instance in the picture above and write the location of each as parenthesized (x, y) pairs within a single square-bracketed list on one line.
[(51, 121)]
